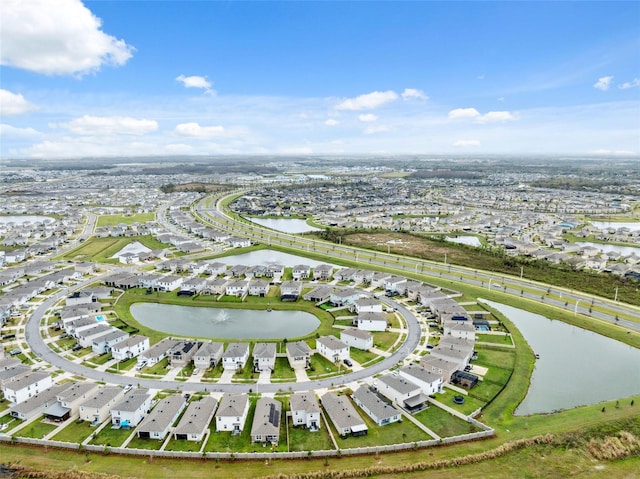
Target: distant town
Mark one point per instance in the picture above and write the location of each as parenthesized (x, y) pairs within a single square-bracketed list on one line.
[(289, 308)]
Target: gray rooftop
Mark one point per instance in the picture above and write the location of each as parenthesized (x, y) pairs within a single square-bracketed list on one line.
[(102, 397), (264, 350), (398, 383), (266, 421), (132, 401), (236, 350), (27, 380), (357, 333), (159, 349), (43, 399), (161, 416), (421, 373), (209, 349), (130, 341), (197, 416), (331, 342), (232, 405), (378, 408), (341, 411), (306, 401), (77, 390), (298, 348)]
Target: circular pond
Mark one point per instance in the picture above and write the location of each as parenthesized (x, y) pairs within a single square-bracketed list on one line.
[(224, 323)]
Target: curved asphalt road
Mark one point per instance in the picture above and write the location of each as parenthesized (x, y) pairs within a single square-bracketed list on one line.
[(40, 348)]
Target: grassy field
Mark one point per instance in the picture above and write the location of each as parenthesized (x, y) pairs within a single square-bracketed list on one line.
[(37, 430), (102, 249), (75, 432), (112, 220), (443, 423)]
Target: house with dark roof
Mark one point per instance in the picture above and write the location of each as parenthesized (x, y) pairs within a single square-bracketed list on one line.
[(266, 421), (195, 421), (343, 415), (157, 424)]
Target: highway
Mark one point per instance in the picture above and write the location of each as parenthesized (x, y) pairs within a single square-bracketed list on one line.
[(580, 304)]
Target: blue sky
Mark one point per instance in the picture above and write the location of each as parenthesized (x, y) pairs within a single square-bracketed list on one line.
[(111, 78)]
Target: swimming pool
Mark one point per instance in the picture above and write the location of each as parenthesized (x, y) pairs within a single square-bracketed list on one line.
[(482, 327), (100, 317)]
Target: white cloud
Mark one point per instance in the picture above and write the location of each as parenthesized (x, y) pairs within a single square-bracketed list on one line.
[(370, 130), (196, 82), (603, 83), (13, 103), (368, 101), (331, 122), (110, 125), (410, 93), (194, 130), (466, 143), (630, 84), (473, 114), (59, 37), (496, 116), (463, 113), (367, 117), (8, 131)]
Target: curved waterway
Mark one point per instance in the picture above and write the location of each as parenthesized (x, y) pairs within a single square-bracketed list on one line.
[(224, 323), (576, 367)]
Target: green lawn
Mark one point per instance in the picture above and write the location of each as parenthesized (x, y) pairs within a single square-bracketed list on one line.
[(470, 404), (494, 338), (394, 433), (362, 357), (490, 357), (183, 445), (151, 444), (384, 340), (111, 437), (282, 370), (36, 430), (102, 249), (321, 366), (443, 423), (301, 439), (112, 220), (75, 432)]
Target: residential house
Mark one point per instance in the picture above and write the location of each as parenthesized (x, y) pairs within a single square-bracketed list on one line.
[(266, 421), (322, 272), (36, 404), (235, 356), (319, 294), (290, 290), (232, 413), (194, 423), (208, 355), (459, 329), (157, 424), (181, 354), (344, 297), (216, 268), (27, 386), (332, 348), (85, 336), (169, 283), (95, 408), (68, 401), (157, 352), (130, 347), (301, 271), (378, 410), (305, 410), (275, 272), (215, 286), (343, 415), (357, 338), (133, 407), (439, 366), (104, 343), (259, 287), (238, 288), (7, 375), (264, 356), (298, 354), (398, 389), (371, 321), (80, 297), (429, 381), (366, 305)]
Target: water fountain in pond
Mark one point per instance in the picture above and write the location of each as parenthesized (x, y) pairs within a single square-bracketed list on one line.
[(222, 317)]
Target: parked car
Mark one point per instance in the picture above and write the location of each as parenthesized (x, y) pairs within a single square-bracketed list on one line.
[(347, 362), (14, 352), (77, 347), (195, 371)]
